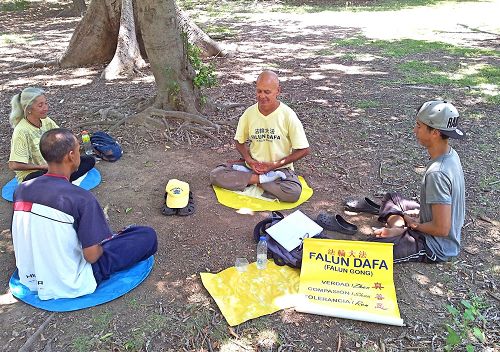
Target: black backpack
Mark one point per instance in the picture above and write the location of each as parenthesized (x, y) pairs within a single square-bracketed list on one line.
[(276, 251)]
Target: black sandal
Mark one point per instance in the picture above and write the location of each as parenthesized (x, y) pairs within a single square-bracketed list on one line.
[(364, 205), (335, 223), (189, 208)]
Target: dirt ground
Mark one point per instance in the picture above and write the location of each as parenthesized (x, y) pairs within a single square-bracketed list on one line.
[(357, 150)]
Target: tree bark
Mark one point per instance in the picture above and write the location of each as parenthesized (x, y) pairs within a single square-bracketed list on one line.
[(167, 54), (94, 39), (127, 56), (196, 36), (79, 7)]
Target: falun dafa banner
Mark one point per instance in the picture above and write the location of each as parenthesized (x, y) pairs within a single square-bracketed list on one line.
[(349, 279)]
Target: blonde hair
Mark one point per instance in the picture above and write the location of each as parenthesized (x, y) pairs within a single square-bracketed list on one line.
[(21, 102)]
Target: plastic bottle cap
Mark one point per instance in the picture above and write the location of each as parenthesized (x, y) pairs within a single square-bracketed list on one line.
[(263, 238)]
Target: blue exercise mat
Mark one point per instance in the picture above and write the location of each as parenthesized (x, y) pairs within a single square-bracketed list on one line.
[(90, 180), (116, 286)]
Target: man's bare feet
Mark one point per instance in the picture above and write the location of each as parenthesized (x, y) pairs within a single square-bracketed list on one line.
[(395, 221), (389, 232)]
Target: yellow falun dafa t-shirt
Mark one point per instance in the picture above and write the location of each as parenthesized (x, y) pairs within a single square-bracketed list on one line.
[(25, 142), (271, 137)]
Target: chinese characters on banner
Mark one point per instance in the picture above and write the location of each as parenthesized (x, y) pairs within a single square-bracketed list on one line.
[(349, 279)]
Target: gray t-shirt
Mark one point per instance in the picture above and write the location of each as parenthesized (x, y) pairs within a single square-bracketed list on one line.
[(443, 183)]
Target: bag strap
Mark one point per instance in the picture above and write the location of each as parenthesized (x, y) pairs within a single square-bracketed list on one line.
[(260, 228)]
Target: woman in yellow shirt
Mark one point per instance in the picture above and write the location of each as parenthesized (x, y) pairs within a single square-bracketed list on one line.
[(29, 119)]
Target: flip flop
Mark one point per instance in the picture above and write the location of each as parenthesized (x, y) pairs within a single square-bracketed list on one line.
[(364, 205), (189, 208), (168, 211), (336, 223)]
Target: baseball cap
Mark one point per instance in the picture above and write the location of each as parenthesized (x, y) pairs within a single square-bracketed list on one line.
[(177, 194), (441, 115)]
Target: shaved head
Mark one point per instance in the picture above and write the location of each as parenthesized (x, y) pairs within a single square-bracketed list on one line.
[(269, 76), (267, 91)]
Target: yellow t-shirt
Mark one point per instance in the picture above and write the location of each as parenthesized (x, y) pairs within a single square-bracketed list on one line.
[(24, 145), (271, 137)]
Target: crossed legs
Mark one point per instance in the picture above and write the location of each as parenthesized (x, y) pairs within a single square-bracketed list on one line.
[(287, 190)]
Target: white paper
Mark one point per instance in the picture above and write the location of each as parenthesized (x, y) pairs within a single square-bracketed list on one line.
[(290, 231)]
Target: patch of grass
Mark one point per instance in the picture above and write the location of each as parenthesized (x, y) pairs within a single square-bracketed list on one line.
[(489, 183), (352, 42), (349, 56), (14, 5), (294, 6), (219, 30), (406, 47), (464, 325), (137, 338), (366, 104), (483, 81), (12, 38), (102, 320), (82, 344), (421, 72), (324, 52)]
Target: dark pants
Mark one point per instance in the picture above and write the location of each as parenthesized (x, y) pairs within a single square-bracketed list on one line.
[(123, 250), (410, 246), (87, 162)]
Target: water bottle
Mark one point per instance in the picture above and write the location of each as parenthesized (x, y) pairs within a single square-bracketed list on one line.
[(87, 146), (262, 253)]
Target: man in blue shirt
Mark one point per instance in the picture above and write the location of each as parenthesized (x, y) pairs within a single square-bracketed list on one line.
[(62, 242)]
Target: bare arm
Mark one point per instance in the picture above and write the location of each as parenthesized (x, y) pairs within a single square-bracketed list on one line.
[(440, 224), (92, 253), (297, 154), (17, 166), (242, 148)]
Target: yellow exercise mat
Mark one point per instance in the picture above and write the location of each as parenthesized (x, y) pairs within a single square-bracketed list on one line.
[(248, 199), (242, 296)]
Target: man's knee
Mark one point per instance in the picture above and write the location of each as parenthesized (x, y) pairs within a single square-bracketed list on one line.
[(216, 175), (290, 192), (148, 238)]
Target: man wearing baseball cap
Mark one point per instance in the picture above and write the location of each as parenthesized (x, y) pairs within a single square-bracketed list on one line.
[(435, 236)]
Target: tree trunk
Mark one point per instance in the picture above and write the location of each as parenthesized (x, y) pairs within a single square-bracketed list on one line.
[(196, 36), (167, 55), (127, 56), (79, 7), (94, 39)]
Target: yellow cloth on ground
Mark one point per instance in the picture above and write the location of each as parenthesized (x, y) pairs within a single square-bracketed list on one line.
[(250, 199), (242, 296)]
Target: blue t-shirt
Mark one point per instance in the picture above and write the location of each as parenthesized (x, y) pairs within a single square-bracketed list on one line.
[(52, 221), (443, 183)]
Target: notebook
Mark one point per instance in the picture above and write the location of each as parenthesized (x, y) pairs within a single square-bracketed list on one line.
[(291, 231)]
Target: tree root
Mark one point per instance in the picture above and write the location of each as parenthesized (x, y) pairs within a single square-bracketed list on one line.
[(158, 119), (27, 345), (38, 64), (94, 122), (203, 132)]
